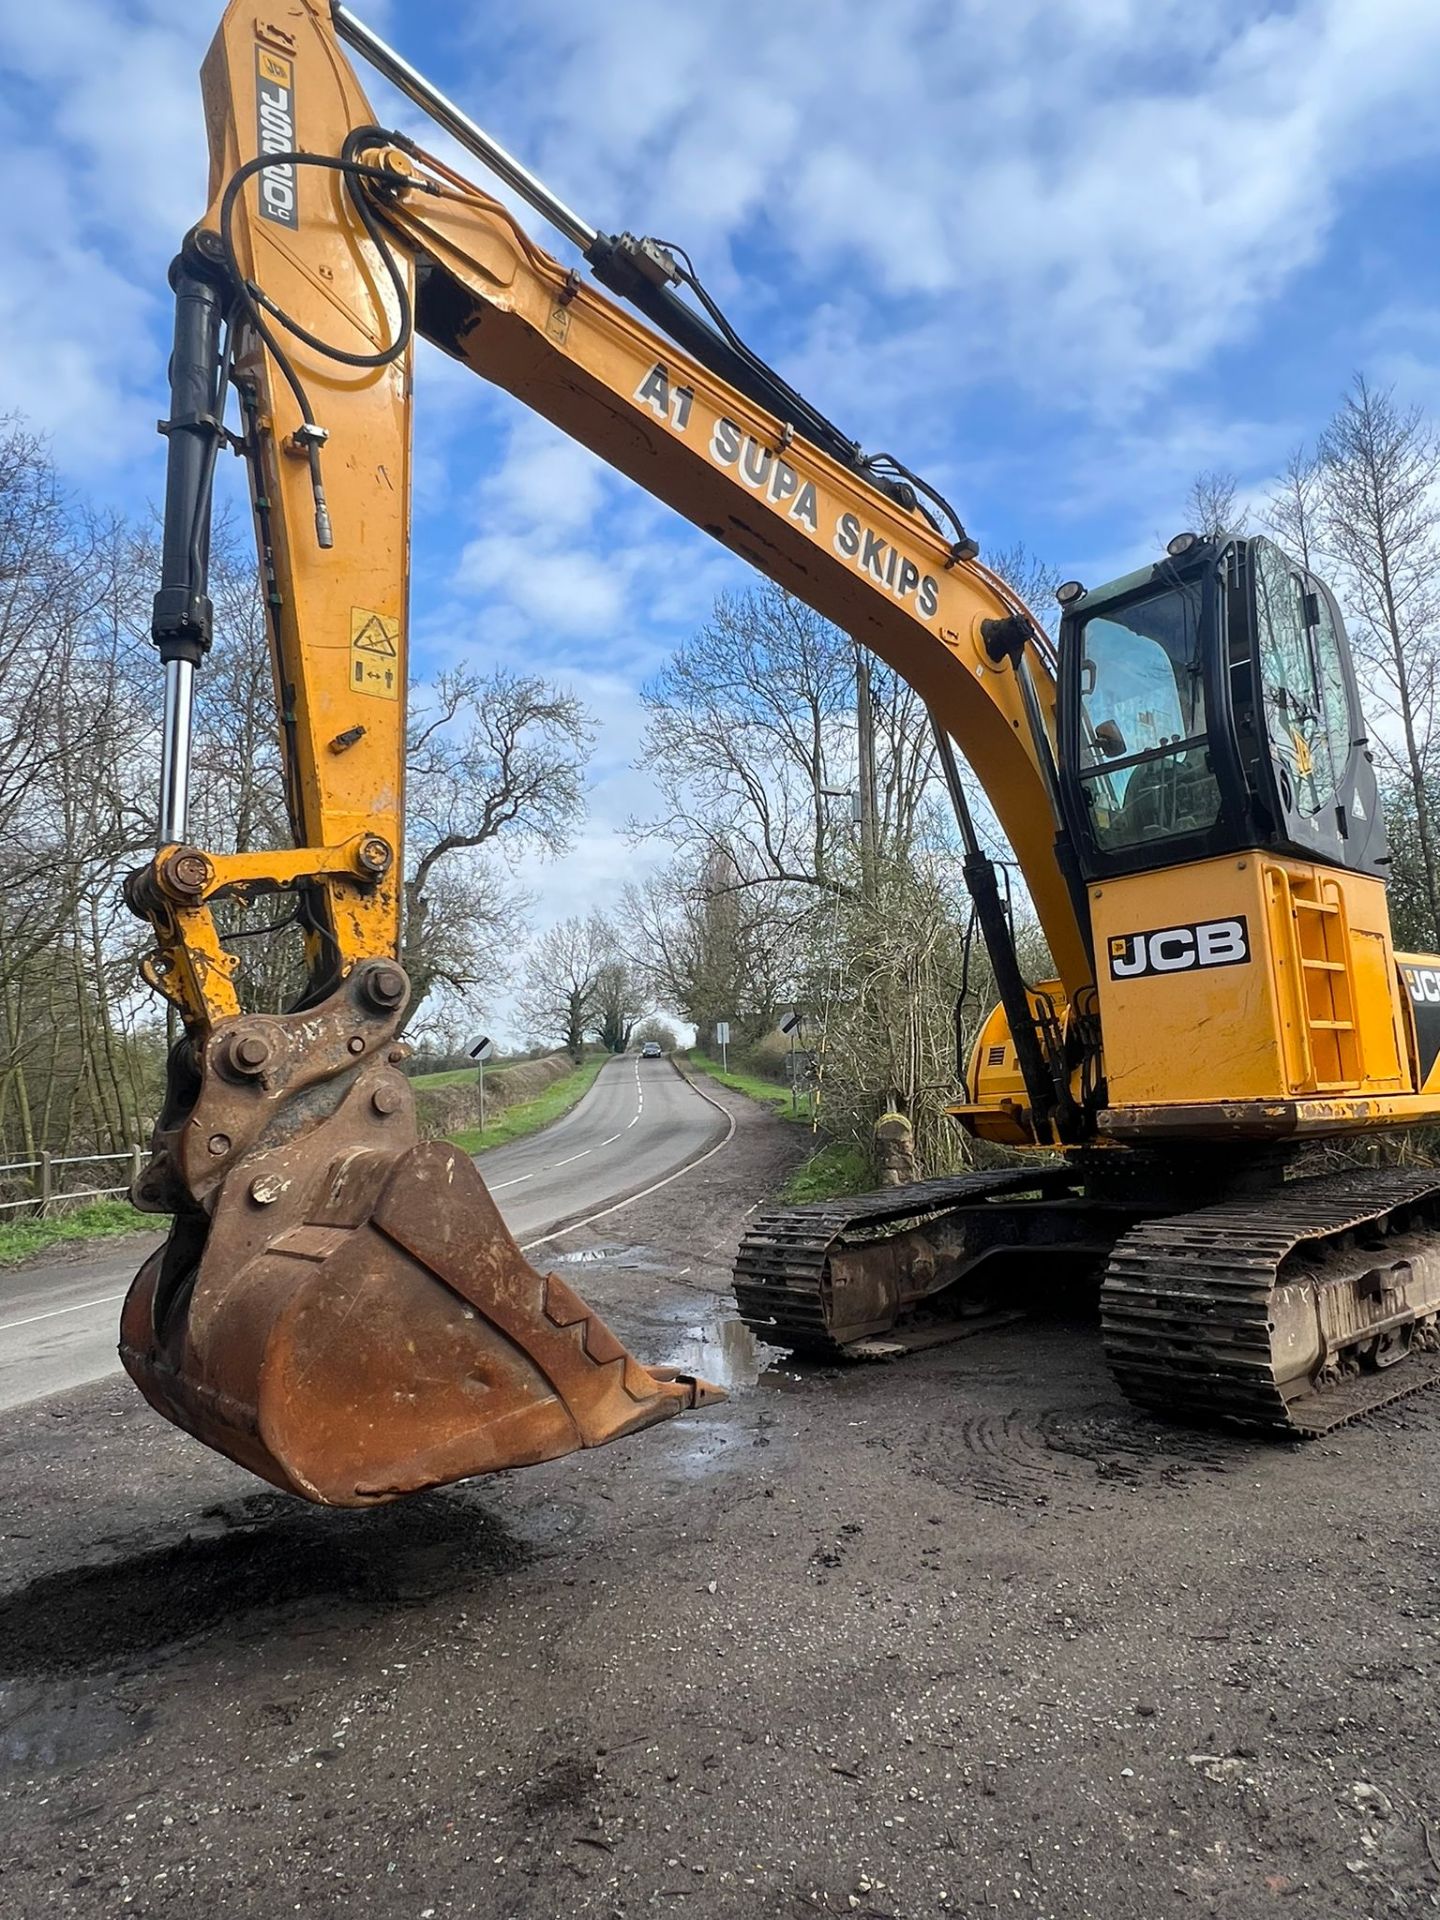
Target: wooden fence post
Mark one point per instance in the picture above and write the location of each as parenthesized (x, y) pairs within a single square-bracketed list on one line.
[(47, 1181)]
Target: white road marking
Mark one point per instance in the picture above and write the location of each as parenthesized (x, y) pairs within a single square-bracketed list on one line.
[(513, 1183), (613, 1138), (584, 1152), (8, 1326), (645, 1192)]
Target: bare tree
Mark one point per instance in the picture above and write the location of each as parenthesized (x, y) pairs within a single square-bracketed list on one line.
[(557, 995), (712, 948), (476, 922), (68, 731), (752, 739), (1380, 468), (745, 734), (1211, 504), (494, 760), (616, 1004), (1034, 579), (1295, 508)]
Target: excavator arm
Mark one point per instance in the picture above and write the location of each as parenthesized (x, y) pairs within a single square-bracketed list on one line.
[(339, 1307)]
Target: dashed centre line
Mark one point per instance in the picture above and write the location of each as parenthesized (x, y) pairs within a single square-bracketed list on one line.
[(553, 1166)]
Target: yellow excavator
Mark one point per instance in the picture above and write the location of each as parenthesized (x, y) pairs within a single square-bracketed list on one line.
[(1184, 781)]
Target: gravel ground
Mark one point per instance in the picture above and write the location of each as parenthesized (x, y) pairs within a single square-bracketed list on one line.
[(954, 1636)]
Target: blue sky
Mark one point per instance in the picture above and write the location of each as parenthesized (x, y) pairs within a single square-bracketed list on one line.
[(1057, 254)]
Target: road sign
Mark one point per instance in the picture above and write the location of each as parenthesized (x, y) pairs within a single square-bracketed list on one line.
[(722, 1033), (791, 1022)]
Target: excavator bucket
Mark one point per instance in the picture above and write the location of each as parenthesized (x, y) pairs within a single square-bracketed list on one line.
[(344, 1312)]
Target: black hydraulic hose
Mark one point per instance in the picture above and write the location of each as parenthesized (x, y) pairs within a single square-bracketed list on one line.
[(254, 296), (1043, 1073), (256, 303)]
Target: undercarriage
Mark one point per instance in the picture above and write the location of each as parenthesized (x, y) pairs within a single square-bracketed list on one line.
[(1228, 1292)]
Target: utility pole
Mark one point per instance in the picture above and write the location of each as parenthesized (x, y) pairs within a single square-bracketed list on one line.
[(865, 727)]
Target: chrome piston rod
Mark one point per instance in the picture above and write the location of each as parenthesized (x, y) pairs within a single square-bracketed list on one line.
[(462, 128), (175, 751)]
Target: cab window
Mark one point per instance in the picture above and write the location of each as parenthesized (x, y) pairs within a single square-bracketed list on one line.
[(1144, 759), (1293, 687)]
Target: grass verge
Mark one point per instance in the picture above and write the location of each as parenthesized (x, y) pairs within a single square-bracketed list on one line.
[(833, 1170), (528, 1116), (101, 1220), (837, 1169), (770, 1095)]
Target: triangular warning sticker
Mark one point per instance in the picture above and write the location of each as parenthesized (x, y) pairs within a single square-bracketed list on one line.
[(372, 638)]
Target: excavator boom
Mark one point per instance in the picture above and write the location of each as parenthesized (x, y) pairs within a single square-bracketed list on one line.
[(339, 1307)]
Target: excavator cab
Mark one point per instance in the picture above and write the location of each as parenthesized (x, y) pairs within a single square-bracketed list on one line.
[(1223, 810), (1209, 705)]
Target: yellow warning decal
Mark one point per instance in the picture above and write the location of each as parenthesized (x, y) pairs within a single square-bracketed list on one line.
[(375, 654)]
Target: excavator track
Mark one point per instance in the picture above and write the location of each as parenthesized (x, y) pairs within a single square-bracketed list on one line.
[(1191, 1303), (782, 1269)]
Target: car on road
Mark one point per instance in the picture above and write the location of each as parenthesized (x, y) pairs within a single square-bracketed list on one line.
[(650, 1050)]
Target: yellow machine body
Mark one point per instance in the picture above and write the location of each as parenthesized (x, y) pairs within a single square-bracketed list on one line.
[(1248, 996)]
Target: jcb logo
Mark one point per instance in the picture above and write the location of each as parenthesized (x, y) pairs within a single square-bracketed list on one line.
[(1424, 984), (1208, 943)]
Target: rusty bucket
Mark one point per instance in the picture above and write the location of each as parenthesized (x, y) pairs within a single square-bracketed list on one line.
[(341, 1309)]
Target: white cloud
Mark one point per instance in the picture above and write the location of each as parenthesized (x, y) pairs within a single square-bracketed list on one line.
[(572, 552), (100, 124), (1091, 197)]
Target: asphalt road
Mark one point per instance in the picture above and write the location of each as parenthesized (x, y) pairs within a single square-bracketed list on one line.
[(639, 1122)]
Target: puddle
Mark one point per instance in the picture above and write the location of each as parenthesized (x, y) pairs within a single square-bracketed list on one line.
[(55, 1728), (626, 1259), (726, 1352)]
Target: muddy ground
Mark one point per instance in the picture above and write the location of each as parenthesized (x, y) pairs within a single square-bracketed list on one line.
[(954, 1636)]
